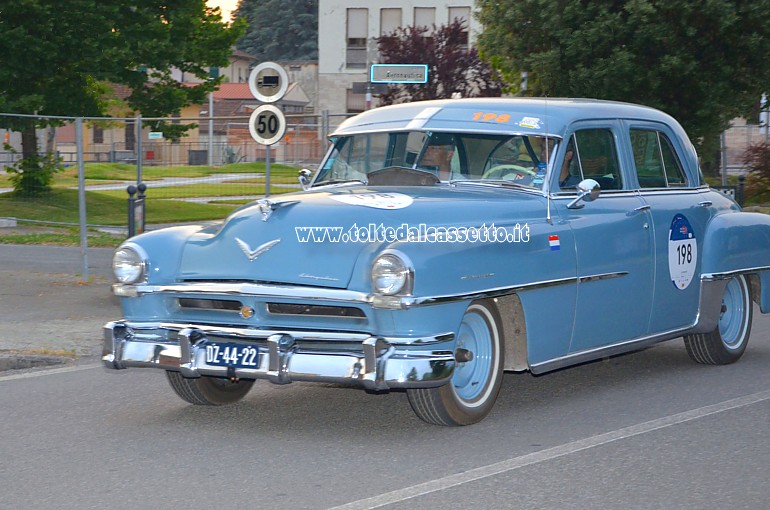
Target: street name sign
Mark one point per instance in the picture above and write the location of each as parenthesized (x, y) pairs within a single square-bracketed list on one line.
[(399, 73)]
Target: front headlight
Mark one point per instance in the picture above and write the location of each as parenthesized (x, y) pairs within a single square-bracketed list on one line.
[(128, 265), (391, 275)]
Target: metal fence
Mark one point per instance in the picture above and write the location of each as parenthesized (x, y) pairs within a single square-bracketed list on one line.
[(211, 141), (214, 162)]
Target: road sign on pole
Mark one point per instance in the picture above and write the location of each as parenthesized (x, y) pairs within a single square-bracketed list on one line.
[(267, 124), (268, 82)]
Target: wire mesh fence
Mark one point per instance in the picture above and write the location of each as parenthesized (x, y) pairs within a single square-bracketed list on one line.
[(212, 165)]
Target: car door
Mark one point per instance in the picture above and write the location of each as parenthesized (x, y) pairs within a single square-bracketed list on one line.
[(680, 212), (613, 240)]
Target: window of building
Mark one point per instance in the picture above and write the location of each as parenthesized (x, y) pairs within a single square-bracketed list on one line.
[(656, 163), (425, 17), (98, 134), (358, 28), (390, 21), (355, 103), (130, 135), (464, 15)]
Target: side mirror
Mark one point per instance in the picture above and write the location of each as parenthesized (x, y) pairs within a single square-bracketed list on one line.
[(588, 190), (304, 178)]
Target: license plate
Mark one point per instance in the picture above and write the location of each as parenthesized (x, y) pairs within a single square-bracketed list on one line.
[(231, 355)]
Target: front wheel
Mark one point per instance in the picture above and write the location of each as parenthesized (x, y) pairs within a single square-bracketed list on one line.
[(729, 339), (208, 391), (472, 392)]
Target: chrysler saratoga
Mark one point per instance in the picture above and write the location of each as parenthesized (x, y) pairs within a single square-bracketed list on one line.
[(441, 244)]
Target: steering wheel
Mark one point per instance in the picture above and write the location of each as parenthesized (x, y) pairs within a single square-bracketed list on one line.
[(507, 173)]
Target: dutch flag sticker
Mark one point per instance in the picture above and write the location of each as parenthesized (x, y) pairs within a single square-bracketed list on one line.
[(554, 242)]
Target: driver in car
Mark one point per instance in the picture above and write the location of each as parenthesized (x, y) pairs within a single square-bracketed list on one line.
[(437, 156)]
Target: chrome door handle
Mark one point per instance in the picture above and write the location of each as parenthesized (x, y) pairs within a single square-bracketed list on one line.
[(706, 203), (639, 209)]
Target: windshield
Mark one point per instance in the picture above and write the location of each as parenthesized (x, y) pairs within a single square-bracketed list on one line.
[(520, 159)]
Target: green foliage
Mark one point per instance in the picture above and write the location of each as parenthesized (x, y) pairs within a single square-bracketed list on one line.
[(32, 177), (702, 62), (452, 67), (57, 58), (279, 29)]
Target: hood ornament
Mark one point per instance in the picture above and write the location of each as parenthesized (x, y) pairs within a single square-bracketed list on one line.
[(266, 207), (253, 254)]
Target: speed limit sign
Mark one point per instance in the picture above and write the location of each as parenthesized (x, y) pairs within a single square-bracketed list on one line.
[(267, 124)]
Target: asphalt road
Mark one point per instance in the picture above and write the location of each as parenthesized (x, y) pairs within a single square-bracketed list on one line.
[(649, 430)]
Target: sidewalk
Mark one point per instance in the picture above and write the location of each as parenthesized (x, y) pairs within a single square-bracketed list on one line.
[(47, 314)]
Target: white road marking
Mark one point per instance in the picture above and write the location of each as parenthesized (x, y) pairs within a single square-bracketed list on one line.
[(51, 371), (514, 463)]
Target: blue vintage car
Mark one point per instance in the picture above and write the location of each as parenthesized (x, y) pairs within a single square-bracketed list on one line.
[(443, 243)]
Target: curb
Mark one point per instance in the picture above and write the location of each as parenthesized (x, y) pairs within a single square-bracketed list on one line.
[(22, 361)]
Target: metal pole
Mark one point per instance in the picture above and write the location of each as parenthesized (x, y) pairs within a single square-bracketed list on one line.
[(723, 158), (211, 129), (139, 150), (267, 170), (82, 198)]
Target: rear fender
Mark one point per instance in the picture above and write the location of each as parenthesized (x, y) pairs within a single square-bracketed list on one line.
[(739, 243)]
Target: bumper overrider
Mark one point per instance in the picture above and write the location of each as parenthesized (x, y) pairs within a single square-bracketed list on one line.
[(372, 362)]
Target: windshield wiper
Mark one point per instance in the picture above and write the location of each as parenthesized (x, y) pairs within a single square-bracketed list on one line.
[(338, 181), (494, 182)]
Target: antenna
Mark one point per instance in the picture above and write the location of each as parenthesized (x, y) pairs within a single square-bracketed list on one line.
[(547, 187)]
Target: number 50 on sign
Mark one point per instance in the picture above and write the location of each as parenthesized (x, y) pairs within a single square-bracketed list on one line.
[(267, 124)]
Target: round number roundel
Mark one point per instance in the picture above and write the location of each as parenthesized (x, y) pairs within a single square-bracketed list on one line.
[(682, 252), (267, 124)]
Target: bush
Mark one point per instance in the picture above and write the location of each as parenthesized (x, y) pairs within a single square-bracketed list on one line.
[(32, 177), (756, 159)]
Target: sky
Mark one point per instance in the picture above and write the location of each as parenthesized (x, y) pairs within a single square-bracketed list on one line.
[(226, 5)]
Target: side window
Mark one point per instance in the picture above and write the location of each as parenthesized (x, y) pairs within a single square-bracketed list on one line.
[(674, 172), (656, 163), (596, 157)]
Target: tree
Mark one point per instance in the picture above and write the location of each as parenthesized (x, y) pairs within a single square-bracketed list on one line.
[(702, 62), (279, 29), (58, 59), (452, 67)]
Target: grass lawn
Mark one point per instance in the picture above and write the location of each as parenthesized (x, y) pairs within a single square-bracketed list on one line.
[(111, 207)]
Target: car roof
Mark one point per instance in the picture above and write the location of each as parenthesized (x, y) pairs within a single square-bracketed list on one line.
[(543, 116)]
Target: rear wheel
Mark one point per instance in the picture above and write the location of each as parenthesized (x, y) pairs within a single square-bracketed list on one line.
[(729, 339), (211, 391), (472, 392)]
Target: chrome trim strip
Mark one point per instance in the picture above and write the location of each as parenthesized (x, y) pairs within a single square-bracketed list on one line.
[(349, 296), (484, 294), (300, 335), (726, 275), (247, 289), (604, 276), (502, 291), (610, 350)]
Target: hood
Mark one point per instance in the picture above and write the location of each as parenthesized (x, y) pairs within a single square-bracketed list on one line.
[(317, 237)]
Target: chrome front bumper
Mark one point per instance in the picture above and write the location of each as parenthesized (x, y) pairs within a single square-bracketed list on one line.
[(284, 356)]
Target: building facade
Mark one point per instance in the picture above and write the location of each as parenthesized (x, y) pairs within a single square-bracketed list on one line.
[(346, 41)]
